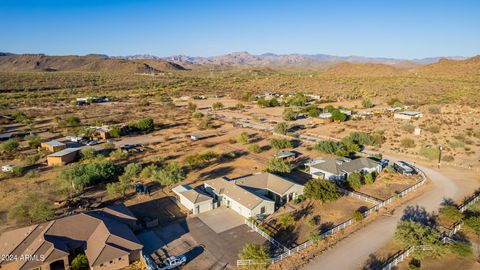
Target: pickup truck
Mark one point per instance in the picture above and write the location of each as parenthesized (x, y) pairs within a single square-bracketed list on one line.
[(172, 262)]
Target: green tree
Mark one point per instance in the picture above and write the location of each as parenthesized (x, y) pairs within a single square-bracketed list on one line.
[(327, 146), (149, 171), (321, 190), (243, 138), (118, 154), (315, 237), (299, 100), (370, 177), (33, 141), (257, 253), (276, 165), (286, 221), (115, 132), (80, 262), (87, 153), (313, 111), (281, 128), (146, 124), (280, 143), (70, 121), (473, 224), (109, 146), (354, 180), (451, 213), (197, 115), (170, 174), (411, 233), (289, 114), (10, 146), (338, 116), (31, 160), (80, 176), (357, 215)]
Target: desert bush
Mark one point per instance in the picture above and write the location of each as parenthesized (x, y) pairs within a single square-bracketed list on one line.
[(33, 141), (217, 106), (410, 233), (80, 262), (430, 152), (434, 110), (254, 148), (286, 221), (31, 160), (357, 215), (354, 180), (276, 165), (289, 114), (407, 143), (367, 103), (321, 190), (257, 253), (280, 143), (10, 146), (197, 115), (170, 174), (80, 176), (281, 128), (461, 249), (451, 213), (448, 158), (32, 208), (191, 106), (109, 146), (118, 154), (243, 138), (408, 128), (315, 237)]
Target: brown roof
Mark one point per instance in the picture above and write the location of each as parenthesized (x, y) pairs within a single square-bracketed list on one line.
[(104, 237), (272, 182), (235, 192), (195, 196)]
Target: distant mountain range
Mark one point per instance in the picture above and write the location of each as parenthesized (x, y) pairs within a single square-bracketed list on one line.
[(270, 59), (337, 65)]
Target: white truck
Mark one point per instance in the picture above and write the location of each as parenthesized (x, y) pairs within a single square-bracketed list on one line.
[(172, 262)]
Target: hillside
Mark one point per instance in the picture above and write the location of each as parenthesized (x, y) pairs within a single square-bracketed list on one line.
[(457, 68), (89, 63), (363, 70)]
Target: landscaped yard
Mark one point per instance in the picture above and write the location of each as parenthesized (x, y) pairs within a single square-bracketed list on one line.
[(313, 216)]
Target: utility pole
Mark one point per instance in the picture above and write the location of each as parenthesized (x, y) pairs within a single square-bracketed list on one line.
[(440, 148)]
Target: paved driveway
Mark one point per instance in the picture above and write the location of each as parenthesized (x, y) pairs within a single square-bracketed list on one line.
[(377, 234), (150, 241), (221, 219)]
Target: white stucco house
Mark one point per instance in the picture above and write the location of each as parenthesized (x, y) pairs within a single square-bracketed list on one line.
[(338, 169), (194, 201)]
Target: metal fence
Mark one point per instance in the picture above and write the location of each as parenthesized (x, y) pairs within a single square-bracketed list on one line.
[(254, 227), (360, 196)]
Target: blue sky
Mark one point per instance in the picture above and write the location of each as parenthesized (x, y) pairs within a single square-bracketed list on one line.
[(400, 29)]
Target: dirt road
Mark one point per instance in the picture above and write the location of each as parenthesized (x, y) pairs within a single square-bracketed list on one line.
[(352, 252)]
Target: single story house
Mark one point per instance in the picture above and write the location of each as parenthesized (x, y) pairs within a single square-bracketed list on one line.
[(104, 237), (403, 168), (338, 169), (63, 157), (193, 200), (8, 168), (102, 133), (325, 118), (346, 112), (53, 146), (248, 204), (285, 155), (407, 115)]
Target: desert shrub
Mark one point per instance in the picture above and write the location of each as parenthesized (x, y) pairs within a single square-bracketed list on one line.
[(357, 215), (118, 154), (257, 253), (197, 115), (10, 146), (276, 165), (87, 153), (145, 124), (299, 100), (312, 222), (280, 143), (369, 178), (367, 103), (299, 199), (148, 171), (289, 114), (254, 148), (321, 190), (31, 159), (32, 208), (191, 106), (338, 116), (109, 146), (313, 111), (217, 106), (243, 138), (197, 161), (434, 110), (408, 128), (327, 146), (33, 141), (281, 128), (315, 237), (434, 129), (69, 121), (354, 180), (456, 144), (395, 102), (286, 221), (32, 174), (407, 143), (448, 158), (430, 152), (21, 117), (17, 171), (115, 132)]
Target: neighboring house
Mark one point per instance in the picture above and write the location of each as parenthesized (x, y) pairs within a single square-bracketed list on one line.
[(325, 118), (53, 146), (74, 138), (338, 169), (102, 133), (407, 115), (285, 155), (403, 168), (103, 235), (346, 112), (63, 157), (8, 168), (253, 195), (196, 136), (193, 200)]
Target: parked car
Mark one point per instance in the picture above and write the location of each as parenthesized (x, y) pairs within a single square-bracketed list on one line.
[(172, 262), (384, 163), (404, 168), (90, 143)]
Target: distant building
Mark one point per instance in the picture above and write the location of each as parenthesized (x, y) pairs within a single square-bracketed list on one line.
[(53, 146), (417, 131), (325, 118), (102, 133), (104, 235), (6, 136), (8, 168), (63, 157), (346, 112), (407, 115), (193, 200), (196, 136), (285, 155)]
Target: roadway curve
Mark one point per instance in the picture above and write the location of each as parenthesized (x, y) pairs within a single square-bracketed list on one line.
[(353, 251)]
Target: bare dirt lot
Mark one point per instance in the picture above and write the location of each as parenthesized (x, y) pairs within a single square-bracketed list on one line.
[(387, 184)]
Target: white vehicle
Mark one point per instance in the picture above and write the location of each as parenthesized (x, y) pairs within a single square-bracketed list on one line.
[(172, 262), (73, 139)]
